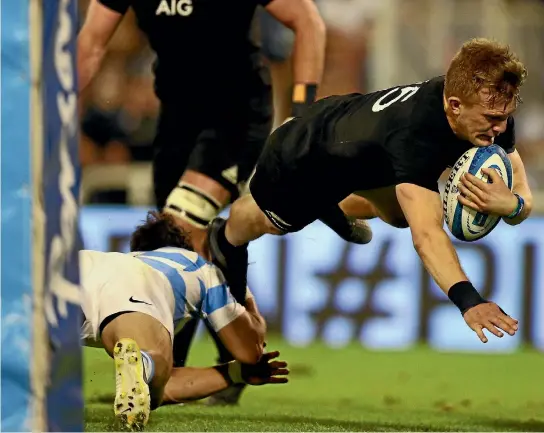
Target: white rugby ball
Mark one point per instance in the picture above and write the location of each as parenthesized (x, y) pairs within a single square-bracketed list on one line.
[(464, 223)]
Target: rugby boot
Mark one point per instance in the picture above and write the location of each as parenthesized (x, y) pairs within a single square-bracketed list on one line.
[(132, 400)]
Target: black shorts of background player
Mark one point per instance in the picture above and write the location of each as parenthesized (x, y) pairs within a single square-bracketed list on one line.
[(215, 97), (391, 147)]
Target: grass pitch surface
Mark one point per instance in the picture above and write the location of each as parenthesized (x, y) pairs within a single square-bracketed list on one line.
[(351, 389)]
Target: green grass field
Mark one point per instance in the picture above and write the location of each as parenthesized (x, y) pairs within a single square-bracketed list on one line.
[(351, 389)]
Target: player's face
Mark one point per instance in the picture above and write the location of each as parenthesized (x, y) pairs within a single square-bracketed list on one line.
[(482, 120)]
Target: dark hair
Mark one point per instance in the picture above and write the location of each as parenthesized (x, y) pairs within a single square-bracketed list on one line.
[(159, 230), (484, 63)]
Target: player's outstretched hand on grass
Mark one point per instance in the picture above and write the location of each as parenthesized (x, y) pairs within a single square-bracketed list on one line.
[(491, 317), (267, 370)]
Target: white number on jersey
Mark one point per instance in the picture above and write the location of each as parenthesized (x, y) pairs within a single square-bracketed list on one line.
[(405, 94)]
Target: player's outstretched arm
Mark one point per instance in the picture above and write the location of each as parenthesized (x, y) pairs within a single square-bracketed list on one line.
[(423, 211), (100, 25), (195, 383)]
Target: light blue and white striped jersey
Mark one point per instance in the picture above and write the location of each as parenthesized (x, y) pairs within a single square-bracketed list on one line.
[(170, 284), (198, 286)]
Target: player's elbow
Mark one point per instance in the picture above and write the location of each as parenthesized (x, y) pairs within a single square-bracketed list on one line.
[(317, 25), (308, 22)]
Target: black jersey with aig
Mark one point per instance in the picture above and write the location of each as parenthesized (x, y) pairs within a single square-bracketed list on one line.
[(383, 138), (203, 47)]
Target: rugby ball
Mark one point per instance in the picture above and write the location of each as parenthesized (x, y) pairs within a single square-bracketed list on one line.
[(464, 223)]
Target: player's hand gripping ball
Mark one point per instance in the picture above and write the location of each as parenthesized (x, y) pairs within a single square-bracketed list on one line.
[(483, 204)]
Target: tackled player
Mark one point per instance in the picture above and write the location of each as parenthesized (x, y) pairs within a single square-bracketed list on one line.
[(135, 303)]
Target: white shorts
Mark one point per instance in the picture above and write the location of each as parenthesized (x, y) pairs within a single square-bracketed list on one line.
[(128, 286)]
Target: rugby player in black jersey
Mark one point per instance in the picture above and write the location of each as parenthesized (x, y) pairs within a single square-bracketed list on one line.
[(390, 147)]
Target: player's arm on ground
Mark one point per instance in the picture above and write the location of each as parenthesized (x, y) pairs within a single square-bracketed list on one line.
[(103, 18), (304, 19), (423, 211), (521, 187), (195, 383)]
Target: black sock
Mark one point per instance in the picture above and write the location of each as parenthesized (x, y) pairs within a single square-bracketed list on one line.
[(335, 219), (236, 273), (224, 245)]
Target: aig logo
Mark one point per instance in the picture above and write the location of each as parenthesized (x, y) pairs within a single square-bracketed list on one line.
[(175, 7)]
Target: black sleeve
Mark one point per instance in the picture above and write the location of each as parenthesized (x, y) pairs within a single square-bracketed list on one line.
[(263, 3), (507, 140), (120, 6)]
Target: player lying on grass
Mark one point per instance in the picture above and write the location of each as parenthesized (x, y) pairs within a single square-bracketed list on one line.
[(390, 147), (135, 303)]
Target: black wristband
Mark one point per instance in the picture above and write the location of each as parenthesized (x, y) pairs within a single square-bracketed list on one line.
[(304, 94), (465, 296)]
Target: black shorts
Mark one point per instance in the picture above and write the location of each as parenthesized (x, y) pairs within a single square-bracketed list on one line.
[(296, 179), (211, 136)]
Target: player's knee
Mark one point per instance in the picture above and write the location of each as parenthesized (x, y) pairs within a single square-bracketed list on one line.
[(193, 204), (271, 228), (247, 209)]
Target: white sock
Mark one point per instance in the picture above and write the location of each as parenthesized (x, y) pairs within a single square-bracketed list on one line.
[(149, 366)]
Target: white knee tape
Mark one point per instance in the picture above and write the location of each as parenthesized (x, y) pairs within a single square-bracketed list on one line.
[(192, 204)]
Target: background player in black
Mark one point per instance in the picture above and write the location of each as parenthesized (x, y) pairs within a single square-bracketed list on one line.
[(214, 91), (216, 108), (391, 147)]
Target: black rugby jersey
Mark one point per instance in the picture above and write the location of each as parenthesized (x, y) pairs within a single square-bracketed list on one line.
[(203, 46), (391, 136)]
